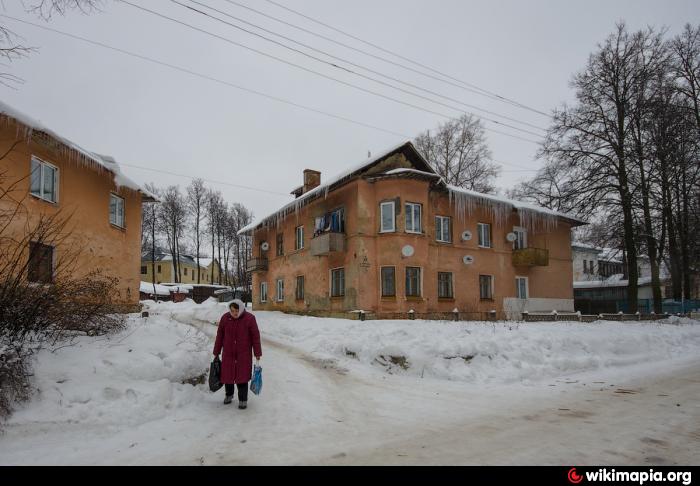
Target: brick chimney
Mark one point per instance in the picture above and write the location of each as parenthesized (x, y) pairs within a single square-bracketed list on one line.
[(312, 179)]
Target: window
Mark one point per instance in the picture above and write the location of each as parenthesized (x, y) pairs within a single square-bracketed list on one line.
[(338, 282), (185, 271), (388, 217), (144, 270), (486, 287), (585, 266), (299, 238), (331, 222), (280, 244), (442, 229), (484, 235), (158, 268), (520, 238), (445, 285), (263, 292), (413, 282), (300, 288), (116, 210), (388, 281), (521, 287), (413, 219), (280, 290), (40, 263), (44, 180)]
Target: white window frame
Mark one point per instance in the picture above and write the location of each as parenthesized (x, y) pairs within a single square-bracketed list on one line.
[(382, 229), (263, 292), (412, 215), (441, 233), (280, 290), (517, 287), (479, 227), (420, 283), (43, 164), (330, 282), (116, 216), (520, 230), (299, 238)]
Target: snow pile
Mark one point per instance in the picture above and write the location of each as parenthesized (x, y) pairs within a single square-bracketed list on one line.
[(481, 352), (129, 378), (147, 288)]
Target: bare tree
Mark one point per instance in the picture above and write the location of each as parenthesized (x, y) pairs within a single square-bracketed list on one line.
[(458, 151), (173, 214), (196, 200), (149, 230)]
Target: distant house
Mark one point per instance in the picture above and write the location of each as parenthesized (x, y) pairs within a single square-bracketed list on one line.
[(210, 271), (51, 175), (389, 236)]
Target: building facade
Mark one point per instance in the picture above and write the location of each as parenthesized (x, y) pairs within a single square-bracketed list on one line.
[(209, 270), (390, 238), (43, 175)]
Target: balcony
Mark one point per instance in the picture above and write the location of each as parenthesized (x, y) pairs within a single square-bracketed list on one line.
[(531, 257), (326, 243), (257, 265)]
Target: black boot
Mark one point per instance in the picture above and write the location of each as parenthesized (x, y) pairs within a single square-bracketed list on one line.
[(228, 399), (242, 405)]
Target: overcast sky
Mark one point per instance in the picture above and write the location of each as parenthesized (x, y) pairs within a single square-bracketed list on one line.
[(148, 115)]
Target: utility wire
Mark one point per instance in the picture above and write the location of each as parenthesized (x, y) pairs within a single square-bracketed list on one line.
[(464, 85), (345, 83), (226, 14)]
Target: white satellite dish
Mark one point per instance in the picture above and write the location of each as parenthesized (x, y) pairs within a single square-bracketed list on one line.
[(407, 251), (468, 259), (466, 235), (265, 246), (511, 237)]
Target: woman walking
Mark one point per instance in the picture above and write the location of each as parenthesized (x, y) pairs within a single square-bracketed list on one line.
[(239, 337)]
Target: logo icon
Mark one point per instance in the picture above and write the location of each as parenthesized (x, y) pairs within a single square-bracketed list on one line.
[(574, 477)]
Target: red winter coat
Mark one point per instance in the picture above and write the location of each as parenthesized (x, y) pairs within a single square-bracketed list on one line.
[(240, 338)]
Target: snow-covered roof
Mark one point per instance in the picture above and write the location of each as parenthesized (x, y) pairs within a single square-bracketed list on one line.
[(75, 152), (530, 214), (147, 288), (401, 171), (612, 281), (585, 246)]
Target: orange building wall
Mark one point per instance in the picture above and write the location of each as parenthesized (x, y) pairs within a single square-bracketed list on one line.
[(83, 193)]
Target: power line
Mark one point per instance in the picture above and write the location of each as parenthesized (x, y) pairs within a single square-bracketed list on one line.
[(345, 83), (219, 81), (226, 14), (464, 85)]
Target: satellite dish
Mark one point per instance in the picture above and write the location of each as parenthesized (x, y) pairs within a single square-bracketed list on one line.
[(466, 235), (468, 259), (511, 237), (407, 251), (265, 246)]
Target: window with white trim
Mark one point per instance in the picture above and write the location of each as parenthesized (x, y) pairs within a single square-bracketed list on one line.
[(263, 291), (44, 180), (413, 218), (388, 217), (484, 230), (280, 290), (521, 290), (413, 282), (299, 238), (520, 238), (442, 229), (116, 210), (338, 282)]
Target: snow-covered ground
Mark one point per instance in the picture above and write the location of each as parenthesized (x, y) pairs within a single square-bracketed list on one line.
[(382, 392)]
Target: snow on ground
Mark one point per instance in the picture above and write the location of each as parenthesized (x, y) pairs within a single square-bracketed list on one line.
[(339, 391)]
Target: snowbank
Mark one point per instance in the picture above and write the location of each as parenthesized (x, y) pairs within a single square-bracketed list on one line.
[(130, 378), (147, 288)]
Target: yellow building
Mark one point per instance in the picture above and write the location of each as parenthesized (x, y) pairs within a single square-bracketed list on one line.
[(43, 175), (210, 271)]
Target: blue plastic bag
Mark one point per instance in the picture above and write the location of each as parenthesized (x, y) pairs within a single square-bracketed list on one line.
[(256, 383)]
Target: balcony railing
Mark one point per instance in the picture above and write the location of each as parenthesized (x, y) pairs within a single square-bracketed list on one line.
[(531, 257), (327, 243), (257, 265)]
